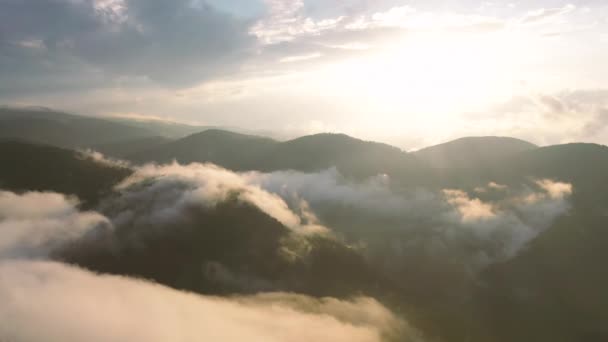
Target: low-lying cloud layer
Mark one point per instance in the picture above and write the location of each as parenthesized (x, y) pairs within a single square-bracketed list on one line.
[(446, 220), (53, 297), (451, 231), (48, 301), (34, 224)]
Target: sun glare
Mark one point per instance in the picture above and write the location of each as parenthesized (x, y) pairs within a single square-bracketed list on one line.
[(434, 73)]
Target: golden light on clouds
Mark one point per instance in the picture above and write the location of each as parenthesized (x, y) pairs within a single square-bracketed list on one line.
[(380, 70)]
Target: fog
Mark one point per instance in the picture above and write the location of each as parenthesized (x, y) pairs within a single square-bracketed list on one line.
[(49, 301), (66, 303)]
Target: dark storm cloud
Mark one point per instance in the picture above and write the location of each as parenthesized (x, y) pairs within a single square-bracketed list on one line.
[(76, 43)]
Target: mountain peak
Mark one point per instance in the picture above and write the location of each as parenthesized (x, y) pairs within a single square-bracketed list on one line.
[(470, 152)]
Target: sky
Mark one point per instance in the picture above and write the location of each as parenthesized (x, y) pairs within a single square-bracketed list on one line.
[(410, 73)]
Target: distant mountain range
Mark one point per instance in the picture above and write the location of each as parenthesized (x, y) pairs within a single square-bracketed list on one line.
[(44, 125), (64, 130), (465, 161)]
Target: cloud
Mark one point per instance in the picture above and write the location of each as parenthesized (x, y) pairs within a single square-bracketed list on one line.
[(496, 186), (162, 193), (289, 21), (34, 224), (106, 43), (551, 118), (556, 190), (597, 124), (446, 231), (450, 220), (469, 209), (544, 14), (300, 58), (52, 297), (491, 186), (100, 158), (286, 21)]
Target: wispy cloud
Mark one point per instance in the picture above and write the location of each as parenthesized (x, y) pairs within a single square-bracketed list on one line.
[(292, 59), (544, 14)]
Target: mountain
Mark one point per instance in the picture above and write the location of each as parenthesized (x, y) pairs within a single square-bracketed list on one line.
[(472, 152), (123, 149), (555, 290), (63, 129), (32, 167), (230, 248), (408, 249), (231, 150), (178, 130), (166, 129), (583, 165), (352, 157)]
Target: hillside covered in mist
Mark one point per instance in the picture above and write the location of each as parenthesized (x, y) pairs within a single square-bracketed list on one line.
[(230, 236)]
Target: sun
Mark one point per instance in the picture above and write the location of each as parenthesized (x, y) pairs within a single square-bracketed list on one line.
[(431, 73)]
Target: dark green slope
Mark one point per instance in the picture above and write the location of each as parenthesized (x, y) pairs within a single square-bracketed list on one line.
[(31, 167), (555, 290), (62, 129), (228, 249)]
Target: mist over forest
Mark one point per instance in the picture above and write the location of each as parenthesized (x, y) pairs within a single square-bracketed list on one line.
[(228, 236), (303, 170)]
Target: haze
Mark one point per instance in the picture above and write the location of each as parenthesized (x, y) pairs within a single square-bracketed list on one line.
[(411, 73), (303, 170)]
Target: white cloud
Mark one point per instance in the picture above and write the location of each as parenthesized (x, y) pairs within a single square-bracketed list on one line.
[(556, 190), (469, 209), (111, 11), (100, 158), (300, 58), (547, 118), (167, 190), (544, 14), (48, 301), (285, 22), (34, 224)]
